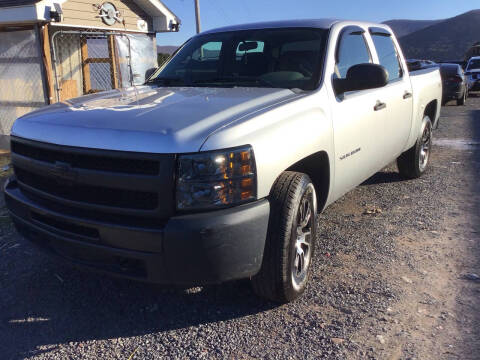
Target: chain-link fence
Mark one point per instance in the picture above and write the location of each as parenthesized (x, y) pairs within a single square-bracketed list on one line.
[(91, 61), (21, 80)]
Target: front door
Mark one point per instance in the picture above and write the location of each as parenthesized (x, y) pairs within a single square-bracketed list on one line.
[(358, 118)]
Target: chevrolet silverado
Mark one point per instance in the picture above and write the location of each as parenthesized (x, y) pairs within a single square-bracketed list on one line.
[(217, 167)]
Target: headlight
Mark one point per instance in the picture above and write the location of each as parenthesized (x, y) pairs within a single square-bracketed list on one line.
[(216, 179)]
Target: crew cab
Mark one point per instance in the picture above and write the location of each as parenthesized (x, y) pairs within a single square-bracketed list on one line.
[(217, 167)]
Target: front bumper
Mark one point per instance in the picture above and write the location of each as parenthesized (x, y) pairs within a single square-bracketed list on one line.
[(192, 249)]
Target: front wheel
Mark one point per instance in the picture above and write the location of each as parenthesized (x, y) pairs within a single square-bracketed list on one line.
[(290, 240), (413, 162)]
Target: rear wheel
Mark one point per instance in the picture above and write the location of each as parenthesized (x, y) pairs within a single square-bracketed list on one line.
[(463, 99), (290, 240), (413, 162)]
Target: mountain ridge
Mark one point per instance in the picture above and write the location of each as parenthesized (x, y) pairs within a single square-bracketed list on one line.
[(438, 40), (402, 27), (166, 49), (449, 39)]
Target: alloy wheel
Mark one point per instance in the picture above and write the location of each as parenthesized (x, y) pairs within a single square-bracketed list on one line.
[(425, 147), (302, 233)]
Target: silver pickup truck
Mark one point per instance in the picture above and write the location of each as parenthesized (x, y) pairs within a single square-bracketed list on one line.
[(217, 167)]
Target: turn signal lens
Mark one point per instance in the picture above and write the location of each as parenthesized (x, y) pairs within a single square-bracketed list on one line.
[(216, 179)]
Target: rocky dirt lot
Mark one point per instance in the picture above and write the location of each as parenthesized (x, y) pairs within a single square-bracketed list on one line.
[(394, 278)]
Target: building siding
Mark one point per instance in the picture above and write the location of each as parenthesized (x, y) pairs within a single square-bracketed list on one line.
[(83, 13)]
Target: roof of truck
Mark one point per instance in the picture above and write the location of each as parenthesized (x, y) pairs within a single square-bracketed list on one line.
[(312, 23), (304, 23)]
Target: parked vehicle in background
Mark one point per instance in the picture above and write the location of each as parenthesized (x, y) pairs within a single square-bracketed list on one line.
[(454, 84), (462, 63), (472, 72), (216, 169), (415, 64)]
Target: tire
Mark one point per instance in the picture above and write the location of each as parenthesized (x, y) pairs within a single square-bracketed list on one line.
[(414, 162), (463, 99), (290, 242)]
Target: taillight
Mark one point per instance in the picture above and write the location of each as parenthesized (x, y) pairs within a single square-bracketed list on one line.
[(455, 79)]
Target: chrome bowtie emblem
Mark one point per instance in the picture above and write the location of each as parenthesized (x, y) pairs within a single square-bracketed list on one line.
[(63, 171)]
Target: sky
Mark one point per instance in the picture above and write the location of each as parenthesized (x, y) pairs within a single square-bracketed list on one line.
[(217, 13)]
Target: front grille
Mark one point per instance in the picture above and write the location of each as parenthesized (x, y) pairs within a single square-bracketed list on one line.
[(83, 161), (114, 187), (121, 198), (96, 215)]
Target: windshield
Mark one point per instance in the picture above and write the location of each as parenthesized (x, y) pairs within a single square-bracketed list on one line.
[(275, 58), (474, 64)]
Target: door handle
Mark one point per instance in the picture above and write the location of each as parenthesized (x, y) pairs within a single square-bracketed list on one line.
[(407, 95), (379, 106)]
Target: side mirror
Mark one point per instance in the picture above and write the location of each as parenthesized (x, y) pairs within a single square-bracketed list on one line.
[(149, 73), (362, 77)]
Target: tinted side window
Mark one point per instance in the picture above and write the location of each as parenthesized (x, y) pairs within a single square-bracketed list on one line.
[(388, 56), (352, 50), (448, 70)]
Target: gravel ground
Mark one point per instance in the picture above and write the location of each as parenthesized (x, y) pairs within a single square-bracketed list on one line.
[(388, 283)]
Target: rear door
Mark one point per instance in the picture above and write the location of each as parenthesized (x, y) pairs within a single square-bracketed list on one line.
[(357, 116), (398, 96)]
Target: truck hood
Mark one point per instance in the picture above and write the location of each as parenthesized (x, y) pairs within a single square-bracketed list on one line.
[(146, 118)]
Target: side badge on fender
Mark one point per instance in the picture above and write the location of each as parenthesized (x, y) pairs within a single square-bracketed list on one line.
[(350, 153)]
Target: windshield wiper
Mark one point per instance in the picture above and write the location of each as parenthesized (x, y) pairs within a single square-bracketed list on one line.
[(213, 80), (167, 81), (235, 80), (224, 82)]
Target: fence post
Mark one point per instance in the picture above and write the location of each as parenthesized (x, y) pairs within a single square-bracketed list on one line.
[(113, 61), (87, 84), (47, 63)]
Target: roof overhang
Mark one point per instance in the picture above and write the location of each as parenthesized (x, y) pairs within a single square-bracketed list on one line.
[(164, 20), (18, 15)]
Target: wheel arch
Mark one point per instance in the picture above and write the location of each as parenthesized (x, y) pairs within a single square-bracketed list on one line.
[(431, 111), (317, 167)]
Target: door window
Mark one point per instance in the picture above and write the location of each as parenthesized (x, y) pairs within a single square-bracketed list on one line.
[(388, 56), (352, 50)]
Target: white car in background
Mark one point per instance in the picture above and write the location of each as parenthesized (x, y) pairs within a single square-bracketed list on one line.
[(472, 73)]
